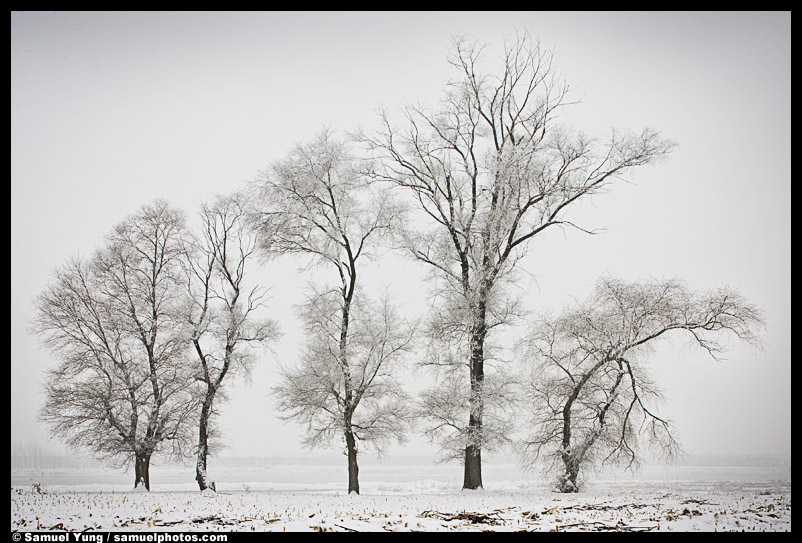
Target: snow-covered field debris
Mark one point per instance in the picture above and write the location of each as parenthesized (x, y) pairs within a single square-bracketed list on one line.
[(408, 506)]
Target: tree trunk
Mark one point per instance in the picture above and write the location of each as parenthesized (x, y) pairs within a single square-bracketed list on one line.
[(142, 470), (572, 456), (203, 444), (567, 483), (472, 479), (350, 439), (353, 467)]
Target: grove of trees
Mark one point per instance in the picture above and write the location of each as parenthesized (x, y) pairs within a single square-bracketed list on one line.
[(149, 329)]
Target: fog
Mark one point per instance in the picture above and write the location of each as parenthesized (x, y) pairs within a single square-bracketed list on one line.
[(112, 110)]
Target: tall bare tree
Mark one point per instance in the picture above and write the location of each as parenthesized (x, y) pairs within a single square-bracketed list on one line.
[(489, 171), (315, 203), (590, 392), (121, 388), (222, 312)]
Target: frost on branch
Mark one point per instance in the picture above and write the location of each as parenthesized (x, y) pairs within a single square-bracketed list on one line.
[(589, 392)]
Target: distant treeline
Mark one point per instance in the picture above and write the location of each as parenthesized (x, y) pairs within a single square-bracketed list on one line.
[(743, 460), (39, 456), (42, 456)]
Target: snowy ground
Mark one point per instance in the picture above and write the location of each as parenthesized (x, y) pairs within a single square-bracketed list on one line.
[(399, 498)]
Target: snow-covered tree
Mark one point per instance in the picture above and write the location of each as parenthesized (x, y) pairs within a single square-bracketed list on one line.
[(122, 388), (590, 395), (316, 203), (488, 171), (221, 311), (344, 387)]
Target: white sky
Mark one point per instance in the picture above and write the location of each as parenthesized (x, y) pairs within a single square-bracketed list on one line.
[(112, 110)]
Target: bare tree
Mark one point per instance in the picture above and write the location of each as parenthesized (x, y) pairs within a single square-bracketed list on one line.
[(222, 313), (121, 389), (490, 170), (590, 392), (359, 401), (315, 203)]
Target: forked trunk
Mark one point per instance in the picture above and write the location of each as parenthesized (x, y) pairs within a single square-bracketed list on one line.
[(567, 482), (142, 470)]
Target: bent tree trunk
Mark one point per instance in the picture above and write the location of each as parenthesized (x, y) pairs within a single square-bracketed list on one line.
[(567, 482), (203, 443), (142, 470), (572, 455)]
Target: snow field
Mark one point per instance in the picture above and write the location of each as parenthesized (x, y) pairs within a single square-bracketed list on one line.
[(41, 509)]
